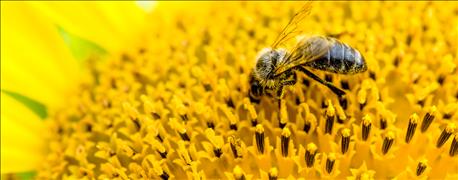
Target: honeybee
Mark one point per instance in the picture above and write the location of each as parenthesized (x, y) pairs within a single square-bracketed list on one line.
[(276, 67)]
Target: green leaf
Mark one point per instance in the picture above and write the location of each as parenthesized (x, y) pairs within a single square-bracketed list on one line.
[(26, 175), (81, 48), (37, 107)]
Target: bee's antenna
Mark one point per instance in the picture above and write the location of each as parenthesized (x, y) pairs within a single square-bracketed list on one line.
[(331, 86)]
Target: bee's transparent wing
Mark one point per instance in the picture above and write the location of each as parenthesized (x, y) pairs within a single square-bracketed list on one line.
[(308, 49), (292, 28)]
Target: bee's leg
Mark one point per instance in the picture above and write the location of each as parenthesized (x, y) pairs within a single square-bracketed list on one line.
[(254, 98), (279, 95), (331, 86), (256, 90), (255, 94), (292, 79)]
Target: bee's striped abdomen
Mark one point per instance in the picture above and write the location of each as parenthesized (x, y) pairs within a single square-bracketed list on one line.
[(341, 59)]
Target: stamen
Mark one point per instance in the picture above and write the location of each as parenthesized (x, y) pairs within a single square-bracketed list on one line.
[(341, 116), (165, 176), (383, 123), (259, 135), (128, 150), (308, 118), (184, 117), (298, 101), (421, 167), (233, 126), (450, 109), (307, 125), (236, 146), (429, 117), (310, 154), (421, 102), (181, 130), (361, 97), (149, 108), (344, 84), (253, 115), (441, 79), (230, 103), (388, 142), (273, 173), (330, 161), (133, 114), (445, 134), (454, 146), (372, 75), (343, 102), (131, 111), (158, 170), (112, 153), (366, 127), (345, 142), (232, 118), (362, 105), (341, 119), (281, 124), (163, 154), (184, 136), (180, 107), (306, 82), (159, 148), (283, 114), (106, 103), (397, 60), (447, 116), (285, 137), (238, 173), (210, 124), (137, 124), (89, 127), (324, 104), (330, 116), (412, 126), (216, 141), (207, 87), (158, 136), (254, 122), (183, 153), (218, 152)]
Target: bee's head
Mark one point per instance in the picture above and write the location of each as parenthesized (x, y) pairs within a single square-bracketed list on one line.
[(267, 61)]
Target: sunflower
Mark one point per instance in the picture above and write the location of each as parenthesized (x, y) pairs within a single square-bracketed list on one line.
[(104, 90)]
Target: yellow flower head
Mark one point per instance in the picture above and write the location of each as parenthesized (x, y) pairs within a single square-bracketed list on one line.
[(168, 97)]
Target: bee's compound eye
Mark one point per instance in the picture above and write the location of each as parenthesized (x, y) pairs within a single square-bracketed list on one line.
[(256, 88)]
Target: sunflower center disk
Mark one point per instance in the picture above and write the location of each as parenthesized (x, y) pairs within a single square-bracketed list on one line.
[(177, 105)]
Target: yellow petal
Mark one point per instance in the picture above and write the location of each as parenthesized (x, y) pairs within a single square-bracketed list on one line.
[(22, 135), (35, 61), (13, 160), (108, 24)]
